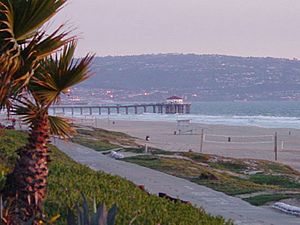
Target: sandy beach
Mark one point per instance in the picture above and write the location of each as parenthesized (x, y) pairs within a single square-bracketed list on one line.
[(245, 141)]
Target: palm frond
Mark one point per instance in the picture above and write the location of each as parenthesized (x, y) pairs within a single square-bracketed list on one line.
[(9, 48), (20, 21), (61, 127), (22, 43), (26, 110), (50, 43), (31, 15), (38, 48), (58, 73)]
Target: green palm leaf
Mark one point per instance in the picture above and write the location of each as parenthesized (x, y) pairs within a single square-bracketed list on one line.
[(19, 22), (58, 73), (28, 111), (61, 127), (9, 48), (38, 49), (51, 43), (22, 44), (30, 15)]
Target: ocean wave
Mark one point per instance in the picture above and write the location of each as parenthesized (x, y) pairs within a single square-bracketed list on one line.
[(259, 120)]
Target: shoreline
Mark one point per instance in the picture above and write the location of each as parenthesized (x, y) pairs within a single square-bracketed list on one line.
[(246, 141), (226, 120)]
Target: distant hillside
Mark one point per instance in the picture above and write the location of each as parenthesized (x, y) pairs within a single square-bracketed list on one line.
[(204, 77)]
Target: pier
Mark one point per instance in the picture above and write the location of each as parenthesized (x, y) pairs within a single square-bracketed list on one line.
[(160, 108)]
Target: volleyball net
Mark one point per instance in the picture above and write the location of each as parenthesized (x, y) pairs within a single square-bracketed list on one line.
[(238, 139)]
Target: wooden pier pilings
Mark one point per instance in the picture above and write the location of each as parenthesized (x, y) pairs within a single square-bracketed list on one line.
[(161, 108)]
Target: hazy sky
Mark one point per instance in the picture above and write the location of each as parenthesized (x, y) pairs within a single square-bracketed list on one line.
[(232, 27)]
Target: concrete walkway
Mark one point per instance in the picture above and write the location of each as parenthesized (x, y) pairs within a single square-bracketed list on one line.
[(212, 201)]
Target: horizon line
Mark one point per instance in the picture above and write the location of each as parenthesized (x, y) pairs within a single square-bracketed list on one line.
[(195, 54)]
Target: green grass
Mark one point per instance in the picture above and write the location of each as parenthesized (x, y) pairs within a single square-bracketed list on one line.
[(154, 151), (197, 157), (224, 175), (263, 199), (9, 142), (231, 166), (94, 144), (279, 168), (68, 179), (198, 174), (280, 181), (102, 140), (149, 161), (98, 132)]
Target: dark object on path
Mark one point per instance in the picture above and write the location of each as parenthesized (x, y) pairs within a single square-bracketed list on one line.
[(147, 138), (164, 195)]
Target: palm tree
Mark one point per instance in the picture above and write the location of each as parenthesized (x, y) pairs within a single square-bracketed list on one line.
[(33, 75), (55, 76)]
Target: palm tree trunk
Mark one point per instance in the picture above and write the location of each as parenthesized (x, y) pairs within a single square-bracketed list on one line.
[(26, 185)]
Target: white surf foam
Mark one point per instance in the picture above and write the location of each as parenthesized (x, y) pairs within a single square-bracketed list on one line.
[(261, 121)]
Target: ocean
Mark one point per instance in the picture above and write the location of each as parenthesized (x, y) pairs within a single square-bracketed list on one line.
[(269, 114)]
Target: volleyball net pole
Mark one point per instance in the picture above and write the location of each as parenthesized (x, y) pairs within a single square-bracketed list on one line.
[(275, 146), (201, 140)]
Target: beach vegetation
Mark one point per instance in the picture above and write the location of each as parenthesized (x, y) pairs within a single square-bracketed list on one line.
[(243, 178), (151, 150), (68, 180), (102, 140), (231, 166), (98, 216), (232, 179), (263, 199), (200, 174), (103, 145), (284, 181)]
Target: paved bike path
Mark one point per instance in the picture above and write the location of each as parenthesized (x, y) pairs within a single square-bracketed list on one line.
[(214, 202)]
